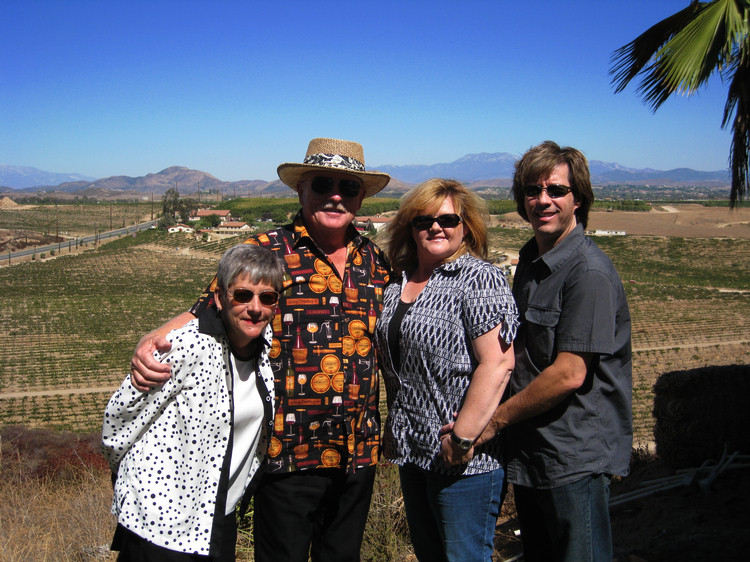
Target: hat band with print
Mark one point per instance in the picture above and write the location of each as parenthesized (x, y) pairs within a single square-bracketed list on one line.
[(335, 161), (334, 154)]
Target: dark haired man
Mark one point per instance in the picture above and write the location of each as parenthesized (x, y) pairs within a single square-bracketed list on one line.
[(567, 418)]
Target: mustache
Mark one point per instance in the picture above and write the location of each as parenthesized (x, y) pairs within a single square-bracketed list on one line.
[(334, 206)]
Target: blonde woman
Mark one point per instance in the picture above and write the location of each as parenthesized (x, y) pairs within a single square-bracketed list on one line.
[(445, 343)]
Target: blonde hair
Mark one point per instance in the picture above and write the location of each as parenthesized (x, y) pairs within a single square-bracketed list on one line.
[(427, 198)]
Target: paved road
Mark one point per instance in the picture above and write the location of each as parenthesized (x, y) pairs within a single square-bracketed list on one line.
[(117, 233)]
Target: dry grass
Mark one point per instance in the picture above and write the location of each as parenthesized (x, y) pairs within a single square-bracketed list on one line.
[(54, 503)]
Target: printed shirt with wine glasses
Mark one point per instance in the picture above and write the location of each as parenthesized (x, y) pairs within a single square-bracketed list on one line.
[(325, 368)]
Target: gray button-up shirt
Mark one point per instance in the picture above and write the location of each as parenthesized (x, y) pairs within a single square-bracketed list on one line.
[(571, 299)]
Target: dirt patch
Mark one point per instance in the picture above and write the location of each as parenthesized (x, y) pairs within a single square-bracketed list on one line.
[(689, 523), (7, 204), (684, 221), (14, 240)]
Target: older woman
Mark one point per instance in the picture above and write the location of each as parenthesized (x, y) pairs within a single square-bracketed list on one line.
[(185, 454), (445, 341)]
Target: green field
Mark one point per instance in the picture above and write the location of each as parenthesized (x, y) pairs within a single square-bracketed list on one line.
[(70, 324), (77, 219)]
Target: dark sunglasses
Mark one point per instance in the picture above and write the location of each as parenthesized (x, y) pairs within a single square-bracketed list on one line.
[(244, 296), (423, 222), (323, 185), (553, 191)]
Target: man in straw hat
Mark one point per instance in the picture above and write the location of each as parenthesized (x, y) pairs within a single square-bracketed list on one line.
[(313, 499)]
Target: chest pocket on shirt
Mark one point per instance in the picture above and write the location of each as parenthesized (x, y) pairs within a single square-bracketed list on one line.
[(540, 335)]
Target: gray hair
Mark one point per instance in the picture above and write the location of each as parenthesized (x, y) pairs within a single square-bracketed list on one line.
[(260, 264)]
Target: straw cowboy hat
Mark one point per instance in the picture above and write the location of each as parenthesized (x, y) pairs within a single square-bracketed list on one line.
[(338, 155)]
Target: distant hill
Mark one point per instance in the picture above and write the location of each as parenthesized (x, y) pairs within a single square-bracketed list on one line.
[(23, 176), (188, 182), (483, 170), (470, 168)]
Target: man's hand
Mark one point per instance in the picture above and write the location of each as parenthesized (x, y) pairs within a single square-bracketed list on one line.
[(145, 371), (490, 430)]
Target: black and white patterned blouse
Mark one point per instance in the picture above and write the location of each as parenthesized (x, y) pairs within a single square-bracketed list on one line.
[(462, 300), (168, 446)]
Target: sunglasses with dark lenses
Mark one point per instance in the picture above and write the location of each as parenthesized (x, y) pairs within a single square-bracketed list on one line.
[(553, 191), (423, 222), (244, 296), (323, 185)]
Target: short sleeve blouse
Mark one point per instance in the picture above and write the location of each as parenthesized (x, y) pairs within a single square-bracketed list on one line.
[(462, 300)]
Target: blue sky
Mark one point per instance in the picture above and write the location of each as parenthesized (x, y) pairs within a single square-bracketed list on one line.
[(233, 88)]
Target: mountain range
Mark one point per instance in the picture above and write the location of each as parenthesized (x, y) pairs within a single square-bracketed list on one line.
[(24, 176), (476, 170)]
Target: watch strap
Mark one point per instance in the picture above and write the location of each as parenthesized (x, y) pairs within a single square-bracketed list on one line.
[(461, 443)]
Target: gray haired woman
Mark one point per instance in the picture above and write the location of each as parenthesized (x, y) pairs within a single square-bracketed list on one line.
[(185, 455)]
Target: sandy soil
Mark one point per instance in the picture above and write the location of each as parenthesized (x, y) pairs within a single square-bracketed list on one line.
[(686, 221)]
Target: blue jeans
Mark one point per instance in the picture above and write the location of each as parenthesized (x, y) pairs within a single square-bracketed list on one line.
[(451, 518), (569, 523)]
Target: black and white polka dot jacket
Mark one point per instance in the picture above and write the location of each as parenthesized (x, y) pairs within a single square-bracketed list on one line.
[(168, 446)]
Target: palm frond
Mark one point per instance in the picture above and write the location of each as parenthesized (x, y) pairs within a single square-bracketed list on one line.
[(681, 52), (692, 55), (629, 60), (688, 56), (738, 105)]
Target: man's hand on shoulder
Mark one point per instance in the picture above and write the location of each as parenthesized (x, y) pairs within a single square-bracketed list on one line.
[(145, 371)]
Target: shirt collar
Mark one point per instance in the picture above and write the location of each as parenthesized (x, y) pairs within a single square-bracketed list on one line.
[(210, 323), (559, 253), (448, 267)]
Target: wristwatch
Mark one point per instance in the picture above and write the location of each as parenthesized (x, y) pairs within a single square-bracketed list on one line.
[(463, 444)]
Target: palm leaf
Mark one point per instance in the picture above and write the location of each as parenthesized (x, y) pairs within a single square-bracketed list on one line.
[(681, 52), (706, 43), (628, 61), (738, 104)]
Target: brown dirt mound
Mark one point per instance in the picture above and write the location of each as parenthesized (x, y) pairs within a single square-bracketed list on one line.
[(7, 203)]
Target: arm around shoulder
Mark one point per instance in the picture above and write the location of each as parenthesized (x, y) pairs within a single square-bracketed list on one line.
[(147, 372)]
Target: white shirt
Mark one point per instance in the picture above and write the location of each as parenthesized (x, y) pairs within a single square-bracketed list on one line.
[(248, 420)]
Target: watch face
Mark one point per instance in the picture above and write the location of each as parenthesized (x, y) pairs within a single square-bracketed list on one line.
[(464, 444)]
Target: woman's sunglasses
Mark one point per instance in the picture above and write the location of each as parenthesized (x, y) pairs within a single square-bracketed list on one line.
[(423, 222), (323, 185), (553, 191), (244, 296)]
